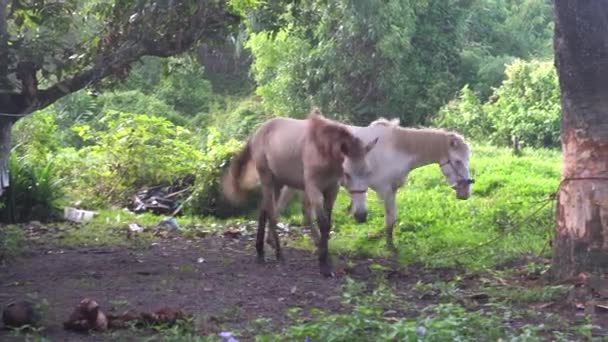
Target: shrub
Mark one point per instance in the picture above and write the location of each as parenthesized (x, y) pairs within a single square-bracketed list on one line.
[(207, 196), (135, 101), (33, 194), (132, 151), (239, 122), (526, 107), (184, 87), (35, 188)]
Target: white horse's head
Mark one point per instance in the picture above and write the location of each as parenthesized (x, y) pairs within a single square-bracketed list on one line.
[(455, 166)]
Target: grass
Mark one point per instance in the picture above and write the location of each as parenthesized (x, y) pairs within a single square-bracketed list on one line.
[(369, 320), (436, 229), (498, 222)]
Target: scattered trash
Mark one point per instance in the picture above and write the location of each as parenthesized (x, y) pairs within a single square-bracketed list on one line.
[(232, 232), (77, 215), (227, 337), (421, 331), (200, 260), (170, 223), (133, 228), (162, 199)]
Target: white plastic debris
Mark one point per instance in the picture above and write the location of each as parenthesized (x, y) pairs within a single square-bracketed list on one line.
[(77, 215)]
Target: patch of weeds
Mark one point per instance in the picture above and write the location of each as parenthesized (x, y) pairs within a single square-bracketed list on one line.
[(444, 290), (12, 241), (519, 294), (29, 334), (261, 326), (232, 314)]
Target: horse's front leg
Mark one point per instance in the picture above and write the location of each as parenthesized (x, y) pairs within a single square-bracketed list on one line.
[(307, 221), (316, 200), (388, 197)]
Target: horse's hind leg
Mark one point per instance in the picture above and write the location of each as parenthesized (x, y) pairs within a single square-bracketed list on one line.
[(259, 244), (263, 217), (273, 222)]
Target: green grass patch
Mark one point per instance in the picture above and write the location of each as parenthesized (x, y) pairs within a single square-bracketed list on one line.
[(12, 241), (436, 229)]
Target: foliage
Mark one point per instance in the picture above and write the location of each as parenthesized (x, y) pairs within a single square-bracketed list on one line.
[(207, 198), (131, 151), (360, 59), (135, 101), (184, 87), (12, 240), (34, 192), (115, 33), (36, 187), (367, 321), (240, 119), (526, 107), (355, 59), (498, 31)]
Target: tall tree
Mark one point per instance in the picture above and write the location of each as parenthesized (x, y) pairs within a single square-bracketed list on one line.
[(49, 49), (581, 48)]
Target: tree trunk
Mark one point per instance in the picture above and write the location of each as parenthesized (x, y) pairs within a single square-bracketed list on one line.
[(5, 122), (581, 58)]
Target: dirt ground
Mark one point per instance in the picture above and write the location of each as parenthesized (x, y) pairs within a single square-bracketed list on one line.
[(216, 279)]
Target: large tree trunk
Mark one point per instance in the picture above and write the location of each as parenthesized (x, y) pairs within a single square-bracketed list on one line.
[(581, 48)]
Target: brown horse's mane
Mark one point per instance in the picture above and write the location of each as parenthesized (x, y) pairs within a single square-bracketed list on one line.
[(331, 138)]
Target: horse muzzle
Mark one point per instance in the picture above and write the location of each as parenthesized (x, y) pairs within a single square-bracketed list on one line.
[(360, 216)]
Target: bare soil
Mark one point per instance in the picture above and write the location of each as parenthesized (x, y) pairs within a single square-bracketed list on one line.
[(216, 279)]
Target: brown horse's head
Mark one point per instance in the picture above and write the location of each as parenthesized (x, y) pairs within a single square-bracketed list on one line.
[(336, 143)]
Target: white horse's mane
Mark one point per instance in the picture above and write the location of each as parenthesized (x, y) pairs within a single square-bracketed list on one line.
[(385, 122)]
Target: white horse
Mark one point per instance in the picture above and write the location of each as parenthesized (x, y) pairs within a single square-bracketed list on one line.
[(398, 151)]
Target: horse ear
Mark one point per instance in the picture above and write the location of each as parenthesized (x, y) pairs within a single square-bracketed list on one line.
[(371, 145)]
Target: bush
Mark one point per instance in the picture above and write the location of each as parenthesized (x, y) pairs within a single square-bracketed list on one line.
[(33, 194), (240, 121), (35, 187), (129, 152), (207, 197), (135, 101), (526, 107), (184, 87)]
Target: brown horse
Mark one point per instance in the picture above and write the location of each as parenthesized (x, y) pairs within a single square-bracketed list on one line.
[(301, 154)]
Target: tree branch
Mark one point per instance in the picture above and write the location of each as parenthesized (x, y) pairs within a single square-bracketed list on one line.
[(207, 21)]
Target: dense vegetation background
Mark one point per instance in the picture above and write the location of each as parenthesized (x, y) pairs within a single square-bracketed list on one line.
[(481, 67)]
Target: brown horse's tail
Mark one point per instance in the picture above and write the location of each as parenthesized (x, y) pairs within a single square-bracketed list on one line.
[(241, 176)]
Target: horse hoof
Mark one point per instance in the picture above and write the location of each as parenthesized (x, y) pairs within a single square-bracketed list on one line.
[(327, 272)]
